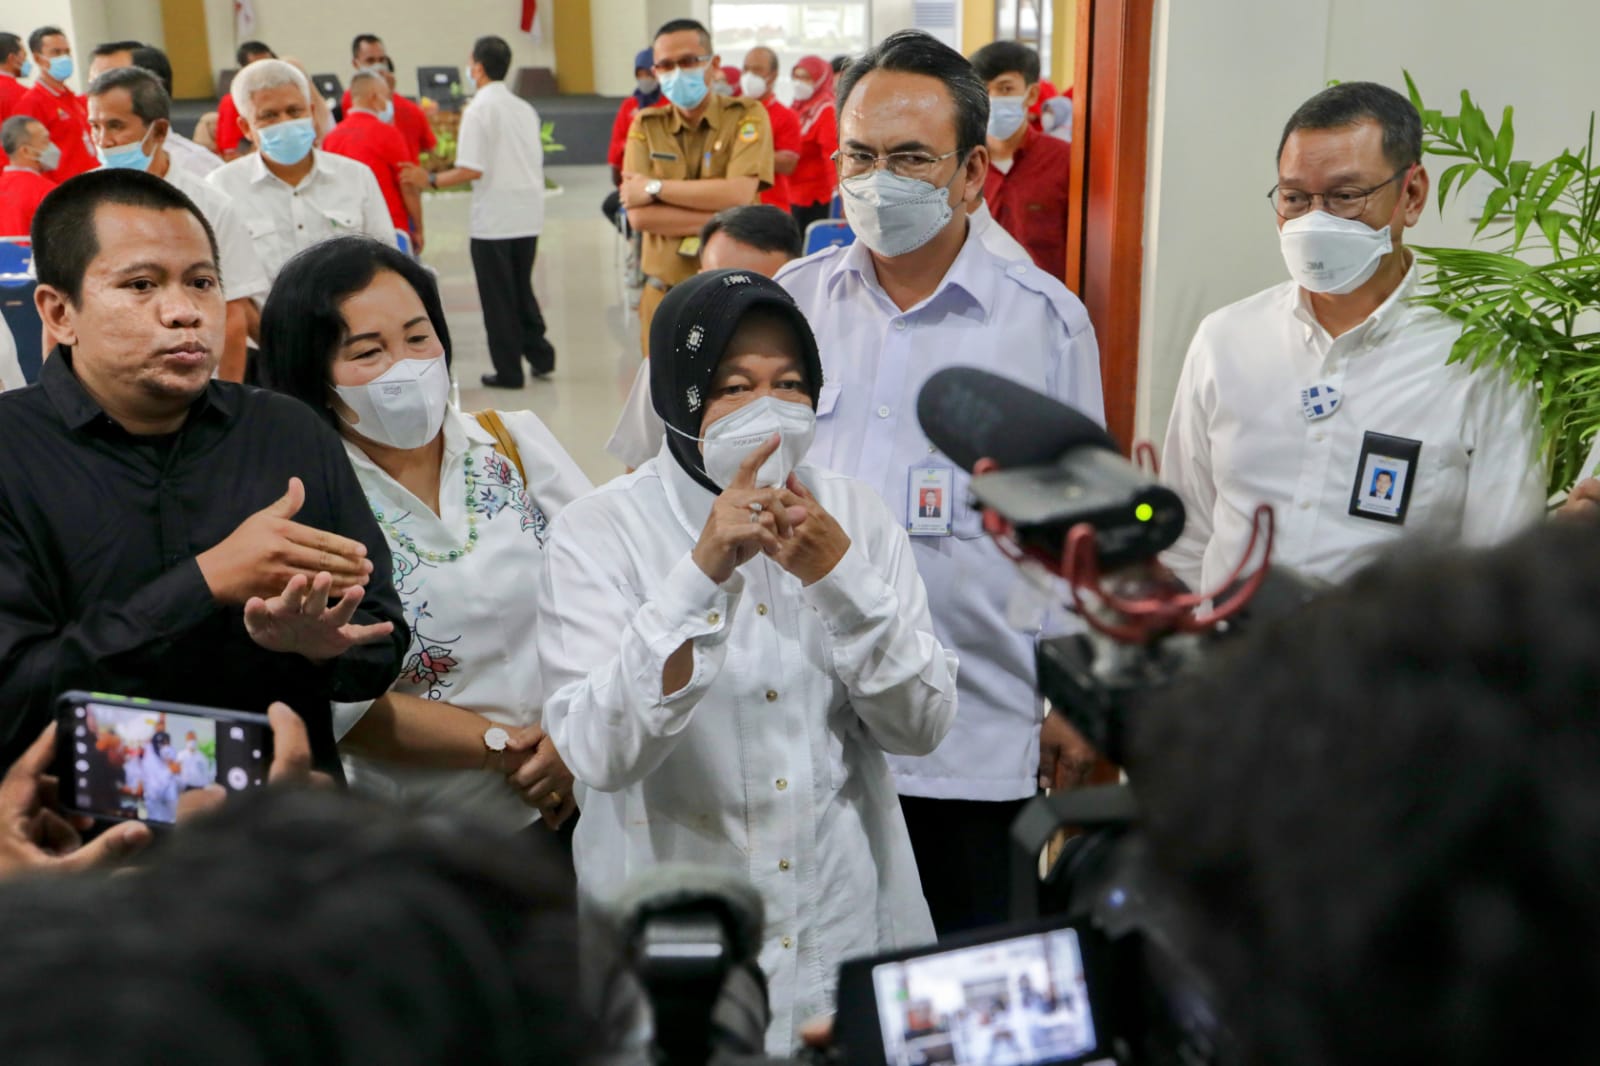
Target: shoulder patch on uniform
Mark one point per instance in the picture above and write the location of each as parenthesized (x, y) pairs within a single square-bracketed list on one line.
[(748, 132), (1063, 301)]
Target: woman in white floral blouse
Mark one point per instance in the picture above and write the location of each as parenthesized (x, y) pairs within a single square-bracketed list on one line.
[(356, 329)]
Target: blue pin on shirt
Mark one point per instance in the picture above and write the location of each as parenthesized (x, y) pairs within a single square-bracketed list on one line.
[(1319, 401)]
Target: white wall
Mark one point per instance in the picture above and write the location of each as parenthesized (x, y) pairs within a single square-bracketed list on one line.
[(133, 20), (1228, 73)]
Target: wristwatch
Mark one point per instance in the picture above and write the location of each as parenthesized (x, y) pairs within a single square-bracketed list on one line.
[(495, 740), (652, 189), (433, 179)]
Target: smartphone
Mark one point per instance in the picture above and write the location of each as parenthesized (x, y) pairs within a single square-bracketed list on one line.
[(1020, 995), (120, 758)]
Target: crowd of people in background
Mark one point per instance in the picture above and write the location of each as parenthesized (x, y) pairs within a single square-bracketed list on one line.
[(783, 642)]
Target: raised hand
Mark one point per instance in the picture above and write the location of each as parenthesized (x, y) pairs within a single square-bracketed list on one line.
[(301, 621), (745, 520), (817, 541), (269, 548)]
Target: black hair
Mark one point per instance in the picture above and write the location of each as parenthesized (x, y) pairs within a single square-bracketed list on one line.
[(918, 52), (249, 49), (494, 54), (1353, 102), (149, 97), (683, 26), (838, 63), (111, 48), (36, 38), (64, 238), (361, 39), (15, 132), (1381, 815), (302, 926), (10, 45), (156, 62), (302, 326), (1006, 57), (761, 226)]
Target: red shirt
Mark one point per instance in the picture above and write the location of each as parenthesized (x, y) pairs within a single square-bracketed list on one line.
[(1031, 201), (366, 138), (410, 120), (228, 135), (11, 93), (816, 175), (785, 138), (20, 193), (63, 115)]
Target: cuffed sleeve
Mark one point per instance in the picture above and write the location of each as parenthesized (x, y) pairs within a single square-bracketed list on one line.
[(902, 682)]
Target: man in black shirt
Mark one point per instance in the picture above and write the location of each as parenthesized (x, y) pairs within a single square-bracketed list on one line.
[(163, 534)]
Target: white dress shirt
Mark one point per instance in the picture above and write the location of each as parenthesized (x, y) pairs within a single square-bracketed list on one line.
[(1010, 318), (243, 276), (472, 618), (338, 197), (770, 760), (994, 236), (1239, 438), (500, 138), (188, 156), (10, 369)]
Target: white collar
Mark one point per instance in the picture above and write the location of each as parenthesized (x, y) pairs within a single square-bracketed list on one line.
[(1396, 310), (260, 172), (690, 501), (966, 274)]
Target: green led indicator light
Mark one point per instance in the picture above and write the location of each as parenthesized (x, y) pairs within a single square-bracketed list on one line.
[(1144, 512)]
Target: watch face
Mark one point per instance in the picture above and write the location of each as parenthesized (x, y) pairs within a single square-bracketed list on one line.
[(496, 739)]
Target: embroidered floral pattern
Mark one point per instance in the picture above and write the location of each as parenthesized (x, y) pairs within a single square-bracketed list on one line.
[(430, 661)]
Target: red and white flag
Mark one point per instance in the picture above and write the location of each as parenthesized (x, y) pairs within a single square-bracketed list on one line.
[(530, 19), (244, 20)]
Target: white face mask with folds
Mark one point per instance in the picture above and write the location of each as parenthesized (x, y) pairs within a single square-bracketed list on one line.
[(404, 406), (730, 440), (1328, 254)]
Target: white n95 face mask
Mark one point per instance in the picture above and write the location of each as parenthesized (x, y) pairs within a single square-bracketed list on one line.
[(404, 406), (893, 215), (1328, 254), (730, 440)]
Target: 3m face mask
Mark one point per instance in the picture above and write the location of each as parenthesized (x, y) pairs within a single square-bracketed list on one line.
[(1328, 254), (730, 440), (893, 215), (404, 406)]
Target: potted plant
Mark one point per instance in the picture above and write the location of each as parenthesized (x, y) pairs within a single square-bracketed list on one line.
[(1529, 304)]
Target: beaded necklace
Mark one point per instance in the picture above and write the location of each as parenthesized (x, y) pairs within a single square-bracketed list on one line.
[(405, 540)]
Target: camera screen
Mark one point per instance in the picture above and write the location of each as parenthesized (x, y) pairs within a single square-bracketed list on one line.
[(132, 762), (1020, 1001)]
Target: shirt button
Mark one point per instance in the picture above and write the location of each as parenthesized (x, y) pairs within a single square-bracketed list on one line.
[(772, 697), (783, 864), (1321, 436), (788, 942), (713, 618), (883, 412), (1305, 505), (1019, 270), (761, 608), (783, 783), (899, 323)]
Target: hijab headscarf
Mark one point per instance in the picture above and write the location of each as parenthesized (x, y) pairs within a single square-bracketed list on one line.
[(646, 60), (821, 71), (689, 335)]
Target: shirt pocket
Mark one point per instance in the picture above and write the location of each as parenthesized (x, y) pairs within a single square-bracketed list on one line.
[(342, 220), (1439, 497)]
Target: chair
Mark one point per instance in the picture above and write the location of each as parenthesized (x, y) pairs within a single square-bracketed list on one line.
[(403, 239), (828, 233), (16, 303)]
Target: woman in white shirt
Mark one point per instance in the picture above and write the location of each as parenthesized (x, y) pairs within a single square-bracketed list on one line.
[(355, 329), (731, 644)]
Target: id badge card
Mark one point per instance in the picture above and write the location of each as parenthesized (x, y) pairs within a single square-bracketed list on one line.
[(1385, 474), (928, 500), (689, 247)]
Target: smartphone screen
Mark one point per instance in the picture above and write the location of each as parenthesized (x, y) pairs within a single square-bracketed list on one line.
[(133, 759), (1018, 1001)]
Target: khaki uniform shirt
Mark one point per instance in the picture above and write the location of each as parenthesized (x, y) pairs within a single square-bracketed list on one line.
[(732, 139)]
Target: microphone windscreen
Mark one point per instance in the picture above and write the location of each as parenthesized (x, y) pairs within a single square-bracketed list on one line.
[(970, 414), (678, 886)]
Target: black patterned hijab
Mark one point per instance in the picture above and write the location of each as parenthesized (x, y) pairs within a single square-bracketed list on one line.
[(689, 336)]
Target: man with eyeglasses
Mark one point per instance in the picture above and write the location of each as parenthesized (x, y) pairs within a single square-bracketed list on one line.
[(918, 291), (1296, 397), (684, 163)]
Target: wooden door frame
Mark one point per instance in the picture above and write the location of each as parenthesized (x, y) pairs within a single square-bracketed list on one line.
[(1105, 231)]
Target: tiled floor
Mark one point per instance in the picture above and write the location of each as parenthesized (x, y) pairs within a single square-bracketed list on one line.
[(577, 279)]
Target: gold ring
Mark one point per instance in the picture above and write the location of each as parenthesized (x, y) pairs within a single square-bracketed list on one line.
[(555, 799)]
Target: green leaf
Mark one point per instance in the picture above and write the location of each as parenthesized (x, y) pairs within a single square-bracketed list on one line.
[(1526, 209), (1412, 90), (1475, 130), (1503, 140), (1492, 207), (1457, 171)]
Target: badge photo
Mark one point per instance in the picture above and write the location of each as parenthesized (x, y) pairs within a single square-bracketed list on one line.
[(1385, 475), (928, 500)]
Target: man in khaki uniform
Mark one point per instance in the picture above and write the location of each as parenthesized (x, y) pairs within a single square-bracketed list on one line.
[(686, 162)]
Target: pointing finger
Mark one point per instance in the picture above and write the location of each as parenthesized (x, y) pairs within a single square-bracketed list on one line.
[(746, 477)]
